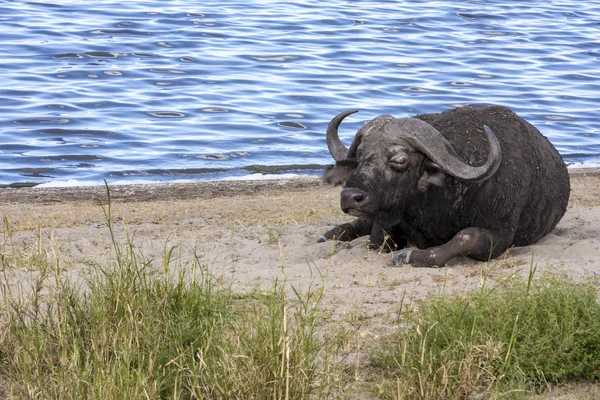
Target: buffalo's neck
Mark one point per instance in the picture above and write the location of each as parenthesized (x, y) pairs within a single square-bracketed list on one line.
[(439, 208)]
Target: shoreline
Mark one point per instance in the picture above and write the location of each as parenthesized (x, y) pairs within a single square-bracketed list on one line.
[(183, 191), (154, 192)]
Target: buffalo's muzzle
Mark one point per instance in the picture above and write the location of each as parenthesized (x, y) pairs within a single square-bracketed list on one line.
[(352, 200)]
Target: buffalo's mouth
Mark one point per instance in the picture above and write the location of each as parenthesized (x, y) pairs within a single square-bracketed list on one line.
[(355, 212)]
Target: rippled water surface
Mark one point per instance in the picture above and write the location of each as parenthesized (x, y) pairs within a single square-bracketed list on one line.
[(171, 90)]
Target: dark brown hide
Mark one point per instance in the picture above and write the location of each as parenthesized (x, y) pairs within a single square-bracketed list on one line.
[(410, 198)]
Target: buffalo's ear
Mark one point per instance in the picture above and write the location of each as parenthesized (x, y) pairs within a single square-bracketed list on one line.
[(432, 175), (339, 173)]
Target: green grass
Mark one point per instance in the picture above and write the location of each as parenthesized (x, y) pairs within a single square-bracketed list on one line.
[(501, 342), (132, 330), (131, 335)]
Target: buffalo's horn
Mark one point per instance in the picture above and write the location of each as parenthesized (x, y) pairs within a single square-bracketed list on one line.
[(338, 151), (429, 141)]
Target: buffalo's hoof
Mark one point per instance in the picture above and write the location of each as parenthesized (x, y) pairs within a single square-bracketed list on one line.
[(373, 246), (401, 258), (321, 239)]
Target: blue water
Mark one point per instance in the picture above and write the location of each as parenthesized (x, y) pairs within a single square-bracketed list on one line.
[(176, 90)]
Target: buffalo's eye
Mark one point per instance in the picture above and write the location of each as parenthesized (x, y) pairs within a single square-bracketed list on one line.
[(398, 162)]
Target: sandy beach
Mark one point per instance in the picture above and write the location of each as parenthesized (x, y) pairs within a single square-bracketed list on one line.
[(251, 231)]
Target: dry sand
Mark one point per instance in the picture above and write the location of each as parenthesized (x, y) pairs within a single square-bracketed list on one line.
[(247, 231)]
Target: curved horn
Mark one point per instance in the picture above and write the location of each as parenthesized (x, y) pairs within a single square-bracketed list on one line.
[(338, 151), (430, 142)]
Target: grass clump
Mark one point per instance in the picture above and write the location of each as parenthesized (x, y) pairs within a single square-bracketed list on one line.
[(502, 342), (132, 330)]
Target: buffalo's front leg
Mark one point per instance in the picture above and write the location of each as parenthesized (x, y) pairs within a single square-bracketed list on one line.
[(478, 243), (386, 239), (349, 231)]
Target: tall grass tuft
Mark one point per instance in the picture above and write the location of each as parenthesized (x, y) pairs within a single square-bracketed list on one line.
[(502, 342), (137, 330)]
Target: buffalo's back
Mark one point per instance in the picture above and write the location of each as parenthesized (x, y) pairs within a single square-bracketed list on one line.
[(532, 179)]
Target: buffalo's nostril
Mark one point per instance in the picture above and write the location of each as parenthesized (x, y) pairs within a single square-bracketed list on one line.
[(358, 197)]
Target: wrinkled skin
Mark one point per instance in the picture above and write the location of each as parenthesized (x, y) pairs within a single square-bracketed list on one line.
[(403, 198)]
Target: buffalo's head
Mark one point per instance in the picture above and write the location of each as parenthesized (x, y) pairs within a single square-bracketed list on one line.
[(390, 161)]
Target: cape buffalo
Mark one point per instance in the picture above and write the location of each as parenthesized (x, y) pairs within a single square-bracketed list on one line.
[(470, 181)]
